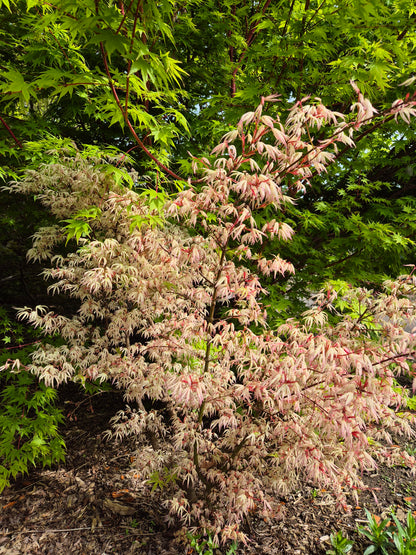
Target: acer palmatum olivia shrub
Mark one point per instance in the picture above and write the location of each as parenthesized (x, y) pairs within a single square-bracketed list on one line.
[(229, 413)]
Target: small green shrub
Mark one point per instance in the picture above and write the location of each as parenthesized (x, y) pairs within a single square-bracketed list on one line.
[(377, 532), (340, 544), (205, 547), (29, 419), (404, 538), (390, 537), (208, 546)]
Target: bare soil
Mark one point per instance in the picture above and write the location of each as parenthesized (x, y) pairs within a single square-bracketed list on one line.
[(87, 504)]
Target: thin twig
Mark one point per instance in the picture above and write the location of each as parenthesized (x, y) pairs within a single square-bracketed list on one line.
[(400, 355), (133, 33), (21, 346), (16, 140), (126, 12), (17, 532), (57, 530), (252, 33)]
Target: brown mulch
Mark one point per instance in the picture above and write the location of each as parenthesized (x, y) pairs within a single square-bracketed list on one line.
[(85, 506)]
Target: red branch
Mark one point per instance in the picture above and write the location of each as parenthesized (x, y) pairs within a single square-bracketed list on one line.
[(128, 122), (19, 144), (252, 33), (133, 33), (124, 17), (253, 28), (387, 116), (20, 347), (394, 357)]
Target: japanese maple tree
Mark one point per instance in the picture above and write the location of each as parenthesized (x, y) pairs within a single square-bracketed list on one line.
[(229, 413)]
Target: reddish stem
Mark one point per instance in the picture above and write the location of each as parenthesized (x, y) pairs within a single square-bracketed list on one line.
[(136, 15), (249, 39), (128, 122), (21, 346), (124, 17), (394, 357), (19, 144)]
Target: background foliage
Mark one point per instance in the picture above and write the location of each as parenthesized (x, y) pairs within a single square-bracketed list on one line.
[(29, 419)]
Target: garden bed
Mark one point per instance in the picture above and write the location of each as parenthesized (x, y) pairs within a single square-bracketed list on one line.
[(87, 504)]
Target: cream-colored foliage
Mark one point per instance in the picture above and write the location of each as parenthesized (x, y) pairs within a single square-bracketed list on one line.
[(164, 313)]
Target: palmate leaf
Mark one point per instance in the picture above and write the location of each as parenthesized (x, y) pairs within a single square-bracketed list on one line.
[(379, 71), (117, 117), (173, 68), (137, 222), (164, 135), (180, 118), (144, 67), (120, 176), (142, 118), (77, 229), (66, 83), (37, 442), (17, 85), (159, 68), (112, 42), (52, 78)]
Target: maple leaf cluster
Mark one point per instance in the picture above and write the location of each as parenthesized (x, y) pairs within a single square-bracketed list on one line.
[(236, 413)]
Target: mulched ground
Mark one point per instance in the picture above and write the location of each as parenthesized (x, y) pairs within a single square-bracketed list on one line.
[(87, 507)]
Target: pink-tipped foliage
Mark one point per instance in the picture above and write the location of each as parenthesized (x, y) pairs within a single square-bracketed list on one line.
[(168, 314)]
